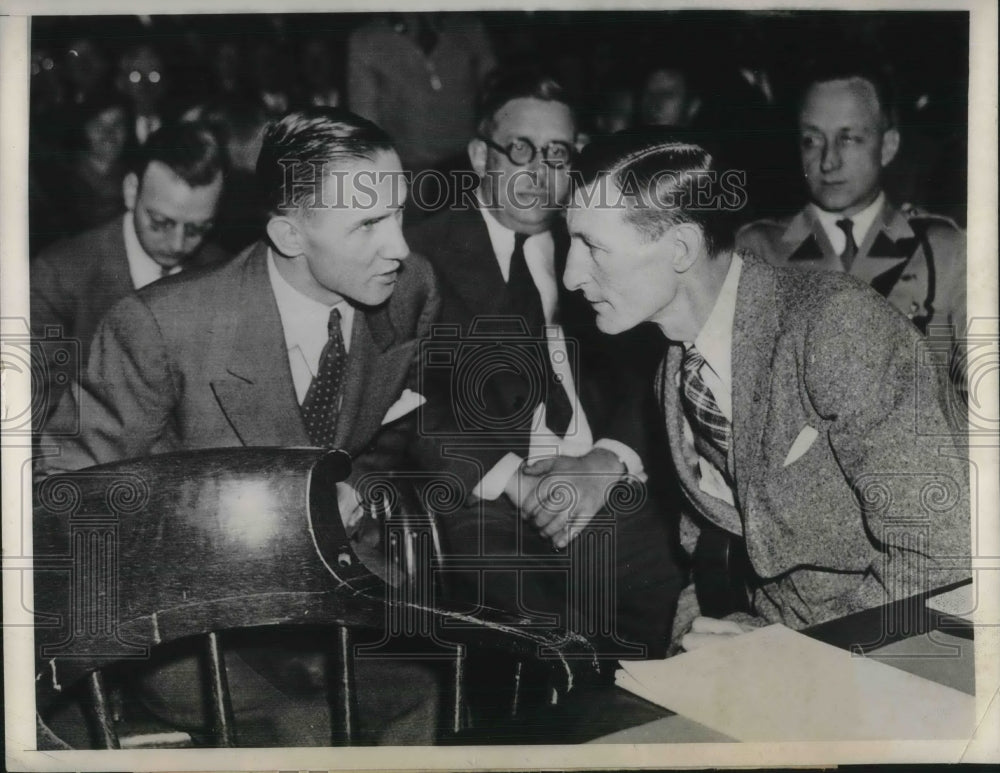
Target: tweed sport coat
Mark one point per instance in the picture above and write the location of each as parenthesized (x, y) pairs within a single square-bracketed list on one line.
[(200, 361), (75, 282), (850, 490)]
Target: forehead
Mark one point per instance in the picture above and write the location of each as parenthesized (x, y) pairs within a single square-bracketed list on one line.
[(163, 190), (534, 118), (362, 183), (359, 190), (846, 102), (597, 211)]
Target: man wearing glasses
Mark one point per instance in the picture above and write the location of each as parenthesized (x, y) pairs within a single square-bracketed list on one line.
[(545, 418), (171, 193)]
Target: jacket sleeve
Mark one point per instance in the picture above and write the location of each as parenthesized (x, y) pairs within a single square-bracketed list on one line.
[(890, 437), (122, 406)]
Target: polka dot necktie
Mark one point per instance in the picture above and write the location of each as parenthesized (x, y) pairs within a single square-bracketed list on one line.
[(321, 406), (708, 422)]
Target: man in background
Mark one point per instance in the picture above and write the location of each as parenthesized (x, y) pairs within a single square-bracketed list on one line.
[(171, 195), (848, 135), (574, 405)]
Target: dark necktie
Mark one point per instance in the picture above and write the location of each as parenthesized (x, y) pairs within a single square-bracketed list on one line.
[(850, 247), (165, 271), (427, 34), (321, 406), (708, 423), (526, 302)]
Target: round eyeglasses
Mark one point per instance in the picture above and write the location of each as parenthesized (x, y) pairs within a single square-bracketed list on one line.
[(522, 151)]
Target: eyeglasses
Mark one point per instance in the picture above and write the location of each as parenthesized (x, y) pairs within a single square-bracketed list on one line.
[(162, 224), (522, 151)]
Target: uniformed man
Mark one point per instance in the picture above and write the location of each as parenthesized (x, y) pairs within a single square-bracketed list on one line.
[(848, 135)]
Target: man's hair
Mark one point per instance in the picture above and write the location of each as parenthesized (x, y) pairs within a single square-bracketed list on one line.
[(190, 150), (504, 86), (848, 67), (662, 174), (297, 149)]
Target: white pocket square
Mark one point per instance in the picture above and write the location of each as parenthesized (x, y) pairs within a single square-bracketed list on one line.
[(802, 444), (408, 401)]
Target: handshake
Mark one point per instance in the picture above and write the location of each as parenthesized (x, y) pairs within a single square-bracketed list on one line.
[(560, 495)]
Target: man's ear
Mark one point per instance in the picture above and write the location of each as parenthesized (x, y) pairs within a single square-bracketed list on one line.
[(130, 189), (687, 243), (477, 155), (286, 235), (890, 145)]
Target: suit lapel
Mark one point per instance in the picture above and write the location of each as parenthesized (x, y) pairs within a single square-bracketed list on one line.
[(368, 370), (472, 265), (806, 239), (255, 388), (886, 251), (114, 275), (716, 510), (755, 333)]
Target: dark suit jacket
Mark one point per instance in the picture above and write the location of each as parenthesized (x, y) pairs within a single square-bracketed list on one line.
[(877, 507), (612, 389), (75, 282), (199, 361)]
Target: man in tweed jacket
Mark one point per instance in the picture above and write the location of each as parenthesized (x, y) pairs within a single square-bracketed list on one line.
[(827, 457)]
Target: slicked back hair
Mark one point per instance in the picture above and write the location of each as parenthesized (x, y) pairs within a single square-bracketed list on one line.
[(661, 172), (845, 68), (298, 149), (190, 150)]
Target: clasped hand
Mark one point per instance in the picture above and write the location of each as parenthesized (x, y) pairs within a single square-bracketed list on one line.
[(561, 494)]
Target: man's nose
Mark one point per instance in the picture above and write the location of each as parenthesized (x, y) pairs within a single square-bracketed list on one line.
[(178, 238), (573, 275), (395, 246), (831, 157)]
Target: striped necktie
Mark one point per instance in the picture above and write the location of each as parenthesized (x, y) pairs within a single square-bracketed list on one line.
[(708, 422)]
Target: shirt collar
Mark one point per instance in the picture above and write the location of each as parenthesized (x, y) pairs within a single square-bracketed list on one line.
[(142, 268), (502, 240), (304, 319), (715, 339), (862, 220)]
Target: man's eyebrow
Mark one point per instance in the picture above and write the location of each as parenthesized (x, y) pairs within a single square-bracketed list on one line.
[(585, 238)]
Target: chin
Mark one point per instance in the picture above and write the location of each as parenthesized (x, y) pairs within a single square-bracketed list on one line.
[(610, 325)]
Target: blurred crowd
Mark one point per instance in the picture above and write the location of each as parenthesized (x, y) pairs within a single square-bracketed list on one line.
[(101, 85)]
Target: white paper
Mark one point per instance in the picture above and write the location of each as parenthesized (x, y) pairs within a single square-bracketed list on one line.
[(774, 684)]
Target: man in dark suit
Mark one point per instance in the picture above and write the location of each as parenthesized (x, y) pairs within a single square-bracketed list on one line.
[(848, 136), (801, 418), (307, 338), (554, 392), (171, 193)]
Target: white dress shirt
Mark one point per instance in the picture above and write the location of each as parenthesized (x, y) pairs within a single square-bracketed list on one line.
[(304, 322), (539, 255), (715, 343), (862, 224), (142, 268)]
